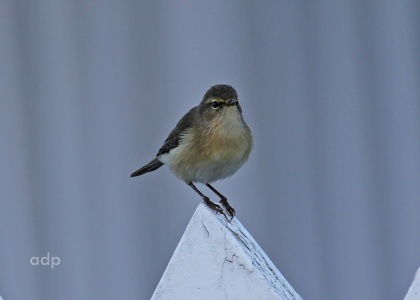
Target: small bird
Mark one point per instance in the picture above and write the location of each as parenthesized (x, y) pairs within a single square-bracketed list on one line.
[(210, 142)]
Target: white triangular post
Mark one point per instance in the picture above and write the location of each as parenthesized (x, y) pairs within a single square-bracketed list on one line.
[(414, 290), (219, 260)]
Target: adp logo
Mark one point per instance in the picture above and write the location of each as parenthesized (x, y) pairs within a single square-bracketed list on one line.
[(45, 260)]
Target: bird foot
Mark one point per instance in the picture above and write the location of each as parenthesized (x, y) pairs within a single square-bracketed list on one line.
[(229, 209), (216, 208)]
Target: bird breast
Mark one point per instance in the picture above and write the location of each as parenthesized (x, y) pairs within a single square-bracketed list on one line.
[(216, 152)]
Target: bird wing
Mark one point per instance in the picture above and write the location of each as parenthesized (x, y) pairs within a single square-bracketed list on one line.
[(174, 139), (170, 143)]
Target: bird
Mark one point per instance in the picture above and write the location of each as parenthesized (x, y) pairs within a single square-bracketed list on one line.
[(209, 143)]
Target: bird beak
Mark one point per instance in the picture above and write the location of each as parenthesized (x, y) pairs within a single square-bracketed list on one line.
[(232, 102)]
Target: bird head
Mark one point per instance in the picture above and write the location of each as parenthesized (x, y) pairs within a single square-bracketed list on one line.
[(220, 101)]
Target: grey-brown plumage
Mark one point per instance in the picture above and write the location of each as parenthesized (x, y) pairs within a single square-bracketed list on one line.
[(209, 143)]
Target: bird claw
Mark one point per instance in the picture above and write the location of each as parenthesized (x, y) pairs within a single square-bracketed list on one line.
[(229, 209), (216, 208)]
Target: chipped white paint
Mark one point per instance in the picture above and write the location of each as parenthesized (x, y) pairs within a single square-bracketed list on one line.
[(220, 260), (414, 291)]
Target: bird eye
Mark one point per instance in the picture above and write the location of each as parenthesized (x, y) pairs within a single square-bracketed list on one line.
[(215, 104)]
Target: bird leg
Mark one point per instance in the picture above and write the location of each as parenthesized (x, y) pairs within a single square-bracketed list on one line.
[(207, 201), (223, 200)]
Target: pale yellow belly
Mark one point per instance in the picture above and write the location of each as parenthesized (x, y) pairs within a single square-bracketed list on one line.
[(210, 162)]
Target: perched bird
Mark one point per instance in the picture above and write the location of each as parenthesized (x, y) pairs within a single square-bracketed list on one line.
[(211, 142)]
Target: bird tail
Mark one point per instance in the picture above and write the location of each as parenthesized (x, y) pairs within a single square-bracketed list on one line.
[(151, 166)]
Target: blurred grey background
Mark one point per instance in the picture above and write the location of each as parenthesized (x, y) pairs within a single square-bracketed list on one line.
[(89, 91)]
